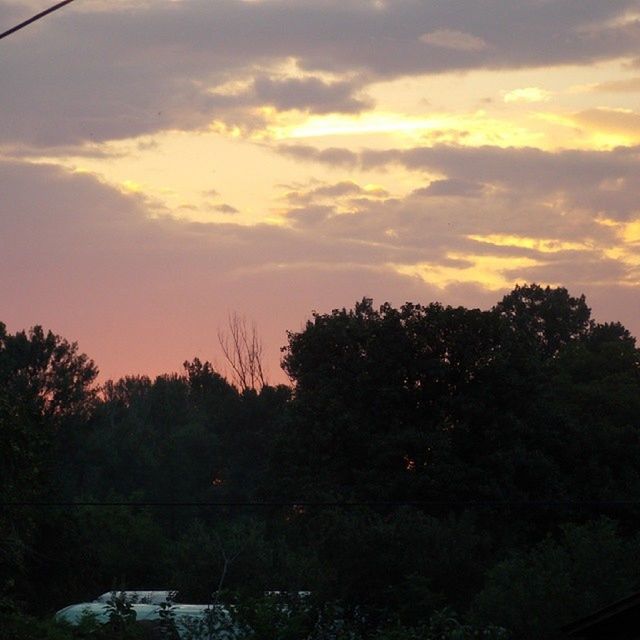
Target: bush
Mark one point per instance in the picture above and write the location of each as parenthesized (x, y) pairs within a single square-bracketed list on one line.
[(535, 592)]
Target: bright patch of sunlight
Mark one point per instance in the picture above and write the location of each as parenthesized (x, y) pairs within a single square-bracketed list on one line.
[(491, 272), (132, 186), (527, 94), (543, 245)]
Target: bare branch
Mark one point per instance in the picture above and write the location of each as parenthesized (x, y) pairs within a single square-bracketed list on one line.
[(242, 349)]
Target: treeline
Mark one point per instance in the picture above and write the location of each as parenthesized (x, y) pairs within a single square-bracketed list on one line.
[(426, 459)]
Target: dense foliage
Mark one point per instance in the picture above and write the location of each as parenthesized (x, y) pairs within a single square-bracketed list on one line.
[(487, 462)]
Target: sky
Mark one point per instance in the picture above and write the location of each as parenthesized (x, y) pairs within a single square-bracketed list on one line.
[(167, 163)]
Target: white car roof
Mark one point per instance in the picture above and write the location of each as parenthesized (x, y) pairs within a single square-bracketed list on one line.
[(142, 597)]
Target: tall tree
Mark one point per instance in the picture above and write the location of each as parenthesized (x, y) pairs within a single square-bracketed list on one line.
[(46, 374), (45, 383), (548, 318)]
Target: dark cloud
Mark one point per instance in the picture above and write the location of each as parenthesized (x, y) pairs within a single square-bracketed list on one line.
[(339, 189), (92, 75), (335, 156), (417, 229), (452, 39), (310, 216), (330, 191), (449, 187), (522, 167), (225, 208), (580, 272), (601, 181), (309, 94), (628, 85)]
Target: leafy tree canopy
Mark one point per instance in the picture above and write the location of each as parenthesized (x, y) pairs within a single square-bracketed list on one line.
[(46, 373)]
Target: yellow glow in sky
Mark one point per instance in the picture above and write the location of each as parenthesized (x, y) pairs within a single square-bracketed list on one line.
[(338, 125), (543, 245), (488, 271)]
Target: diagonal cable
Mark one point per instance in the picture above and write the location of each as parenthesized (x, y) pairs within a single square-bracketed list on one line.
[(42, 14)]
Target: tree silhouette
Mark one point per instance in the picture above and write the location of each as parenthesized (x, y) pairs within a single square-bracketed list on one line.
[(243, 351)]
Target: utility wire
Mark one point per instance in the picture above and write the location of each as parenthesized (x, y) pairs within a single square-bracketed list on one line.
[(42, 14), (586, 504)]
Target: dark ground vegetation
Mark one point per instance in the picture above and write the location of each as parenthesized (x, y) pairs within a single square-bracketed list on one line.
[(490, 459)]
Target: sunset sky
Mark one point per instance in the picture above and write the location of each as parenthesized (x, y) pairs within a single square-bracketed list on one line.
[(165, 163)]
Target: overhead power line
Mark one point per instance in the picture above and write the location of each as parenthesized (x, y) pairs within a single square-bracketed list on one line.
[(528, 504), (42, 14)]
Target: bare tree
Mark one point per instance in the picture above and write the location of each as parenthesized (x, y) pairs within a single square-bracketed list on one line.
[(227, 560), (242, 349)]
